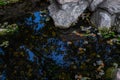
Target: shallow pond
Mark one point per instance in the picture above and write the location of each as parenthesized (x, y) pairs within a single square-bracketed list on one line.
[(39, 51)]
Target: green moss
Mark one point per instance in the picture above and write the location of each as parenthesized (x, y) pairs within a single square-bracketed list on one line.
[(4, 2), (106, 32), (110, 73), (8, 29), (3, 32)]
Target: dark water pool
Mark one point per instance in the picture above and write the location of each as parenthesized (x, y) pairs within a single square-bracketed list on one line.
[(38, 52)]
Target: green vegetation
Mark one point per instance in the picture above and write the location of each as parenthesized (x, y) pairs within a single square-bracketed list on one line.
[(106, 33), (110, 72), (4, 2), (110, 35), (7, 29)]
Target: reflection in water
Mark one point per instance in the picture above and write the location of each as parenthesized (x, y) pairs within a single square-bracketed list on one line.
[(1, 51), (31, 55), (36, 22), (3, 76), (47, 57), (57, 51)]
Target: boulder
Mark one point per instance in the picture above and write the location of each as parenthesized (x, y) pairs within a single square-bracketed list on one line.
[(105, 15), (117, 74), (112, 6), (117, 23), (67, 14), (101, 18), (66, 1), (94, 4)]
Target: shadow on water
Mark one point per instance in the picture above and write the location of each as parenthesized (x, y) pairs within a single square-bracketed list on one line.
[(39, 53)]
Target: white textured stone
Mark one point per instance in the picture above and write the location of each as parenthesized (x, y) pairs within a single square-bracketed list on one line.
[(66, 1), (94, 4), (117, 74), (112, 6), (68, 14), (101, 19)]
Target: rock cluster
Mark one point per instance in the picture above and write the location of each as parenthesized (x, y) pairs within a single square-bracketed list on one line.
[(66, 12), (105, 13)]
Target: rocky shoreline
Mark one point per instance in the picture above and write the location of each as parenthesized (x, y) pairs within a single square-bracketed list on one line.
[(89, 52)]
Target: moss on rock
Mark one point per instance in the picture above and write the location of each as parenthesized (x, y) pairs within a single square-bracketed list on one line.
[(4, 2), (7, 29)]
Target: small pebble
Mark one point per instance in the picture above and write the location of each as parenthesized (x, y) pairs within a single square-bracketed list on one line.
[(5, 23), (101, 73), (69, 42), (114, 40), (78, 77), (99, 62), (85, 42), (2, 26)]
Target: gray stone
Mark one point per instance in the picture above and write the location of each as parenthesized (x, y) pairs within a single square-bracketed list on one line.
[(68, 14), (89, 1), (101, 19), (68, 6), (112, 6), (117, 23), (117, 74), (66, 1), (94, 4)]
